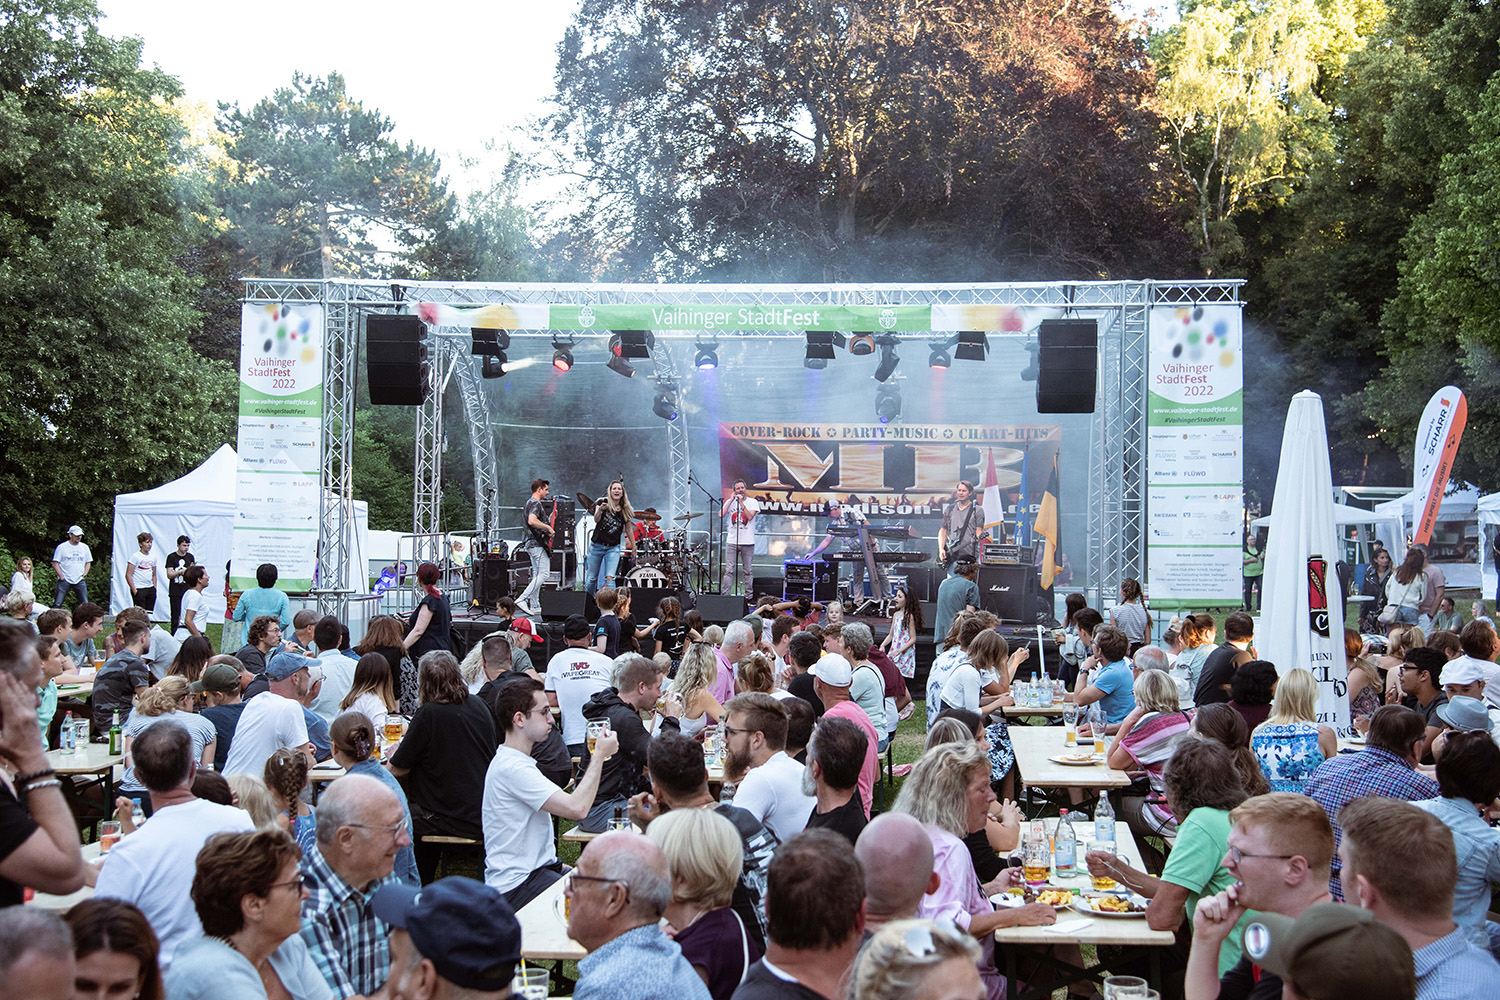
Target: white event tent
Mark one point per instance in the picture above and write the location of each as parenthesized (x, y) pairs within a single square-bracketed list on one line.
[(201, 506), (1456, 530)]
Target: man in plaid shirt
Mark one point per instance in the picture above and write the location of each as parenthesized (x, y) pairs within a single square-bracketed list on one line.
[(361, 825), (1386, 767)]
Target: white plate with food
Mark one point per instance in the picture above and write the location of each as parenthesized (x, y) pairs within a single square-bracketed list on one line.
[(1110, 904), (1076, 759), (1055, 896)]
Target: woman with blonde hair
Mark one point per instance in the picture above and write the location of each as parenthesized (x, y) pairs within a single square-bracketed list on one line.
[(695, 677), (1291, 744), (1143, 745), (612, 517), (286, 777), (1002, 829), (755, 672), (252, 795), (371, 691), (1400, 640), (706, 856), (1197, 642), (169, 698), (912, 959)]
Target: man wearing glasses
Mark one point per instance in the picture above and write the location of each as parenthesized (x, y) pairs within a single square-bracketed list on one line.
[(361, 825), (615, 901), (1280, 852)]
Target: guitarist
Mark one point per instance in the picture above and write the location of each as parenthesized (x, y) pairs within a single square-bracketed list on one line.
[(538, 545)]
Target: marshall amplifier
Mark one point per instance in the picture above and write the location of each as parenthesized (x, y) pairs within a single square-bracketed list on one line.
[(1009, 592), (813, 579), (997, 552)]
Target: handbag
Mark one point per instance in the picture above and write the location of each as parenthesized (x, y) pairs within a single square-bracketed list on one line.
[(1387, 614)]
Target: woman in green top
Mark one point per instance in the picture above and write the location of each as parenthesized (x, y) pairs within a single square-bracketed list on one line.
[(1255, 566), (1202, 785)]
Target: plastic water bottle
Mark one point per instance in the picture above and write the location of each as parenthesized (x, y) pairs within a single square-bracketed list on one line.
[(1065, 847), (1104, 820), (67, 736)]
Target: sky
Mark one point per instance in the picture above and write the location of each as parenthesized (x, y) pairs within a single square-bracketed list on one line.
[(451, 75)]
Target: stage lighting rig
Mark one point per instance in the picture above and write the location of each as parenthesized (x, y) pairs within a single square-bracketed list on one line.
[(632, 344), (887, 403), (888, 358), (939, 358), (707, 358), (488, 343), (819, 348), (861, 344), (562, 354), (665, 406), (972, 345), (493, 367)]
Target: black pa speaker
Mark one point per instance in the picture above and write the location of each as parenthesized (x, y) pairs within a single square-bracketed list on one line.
[(1067, 365), (491, 579), (562, 603), (396, 360), (721, 609), (1008, 591)]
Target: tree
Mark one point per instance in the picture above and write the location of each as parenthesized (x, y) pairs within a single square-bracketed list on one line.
[(104, 394), (316, 183), (802, 140)]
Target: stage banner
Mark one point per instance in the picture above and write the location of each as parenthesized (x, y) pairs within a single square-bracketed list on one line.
[(280, 432), (904, 472), (1438, 435), (1195, 456)]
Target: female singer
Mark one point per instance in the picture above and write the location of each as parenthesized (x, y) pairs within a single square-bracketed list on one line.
[(611, 517)]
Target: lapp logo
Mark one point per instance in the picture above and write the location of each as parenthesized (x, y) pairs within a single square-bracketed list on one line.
[(586, 316), (887, 319)]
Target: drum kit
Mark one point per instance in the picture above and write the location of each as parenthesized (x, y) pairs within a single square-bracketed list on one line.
[(668, 560)]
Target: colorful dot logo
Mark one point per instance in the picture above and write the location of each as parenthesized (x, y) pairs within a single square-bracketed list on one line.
[(1197, 337)]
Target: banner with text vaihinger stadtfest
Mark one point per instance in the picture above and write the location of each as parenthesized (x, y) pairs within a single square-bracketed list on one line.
[(280, 434), (1195, 480), (906, 472)]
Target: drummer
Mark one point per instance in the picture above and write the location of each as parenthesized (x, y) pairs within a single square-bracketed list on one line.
[(647, 527)]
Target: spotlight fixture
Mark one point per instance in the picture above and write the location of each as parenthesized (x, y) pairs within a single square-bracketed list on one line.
[(819, 348), (862, 344), (620, 365), (493, 367), (888, 358), (972, 345), (562, 355), (1034, 365), (939, 358), (488, 343), (707, 358), (816, 364), (632, 344), (887, 403), (664, 405)]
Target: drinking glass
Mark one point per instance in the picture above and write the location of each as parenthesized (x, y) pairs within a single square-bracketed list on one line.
[(1101, 882), (1070, 723), (595, 730), (1125, 988), (530, 984), (1036, 862), (393, 728), (109, 835)]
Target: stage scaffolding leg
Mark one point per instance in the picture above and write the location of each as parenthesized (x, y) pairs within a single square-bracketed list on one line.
[(336, 523)]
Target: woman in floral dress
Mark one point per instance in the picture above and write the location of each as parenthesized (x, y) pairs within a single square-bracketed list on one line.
[(1291, 744)]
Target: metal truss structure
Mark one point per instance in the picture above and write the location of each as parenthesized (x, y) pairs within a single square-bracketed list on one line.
[(1117, 479)]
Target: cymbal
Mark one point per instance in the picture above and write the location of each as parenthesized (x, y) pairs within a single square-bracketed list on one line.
[(584, 501), (646, 516), (687, 517)]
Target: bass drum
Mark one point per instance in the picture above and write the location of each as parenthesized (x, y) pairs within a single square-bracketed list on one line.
[(646, 576)]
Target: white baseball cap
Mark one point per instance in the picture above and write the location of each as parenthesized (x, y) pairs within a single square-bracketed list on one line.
[(833, 670), (76, 530)]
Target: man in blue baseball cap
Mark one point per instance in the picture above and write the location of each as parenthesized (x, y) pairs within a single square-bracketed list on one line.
[(453, 938), (272, 719)]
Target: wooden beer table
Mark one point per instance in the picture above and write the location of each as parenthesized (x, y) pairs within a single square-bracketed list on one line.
[(544, 931), (1035, 746)]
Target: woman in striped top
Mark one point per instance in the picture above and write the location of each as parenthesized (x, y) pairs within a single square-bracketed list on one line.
[(1130, 615), (1145, 743)]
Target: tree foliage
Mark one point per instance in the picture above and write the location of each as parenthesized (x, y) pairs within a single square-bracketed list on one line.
[(859, 140), (317, 187), (103, 393)]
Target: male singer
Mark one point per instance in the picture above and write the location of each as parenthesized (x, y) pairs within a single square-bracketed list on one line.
[(738, 513)]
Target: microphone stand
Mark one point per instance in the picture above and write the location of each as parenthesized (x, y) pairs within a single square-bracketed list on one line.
[(704, 585)]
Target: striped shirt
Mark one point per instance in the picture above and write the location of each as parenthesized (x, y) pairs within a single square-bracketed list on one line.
[(1452, 967), (1130, 618), (1150, 743), (347, 942)]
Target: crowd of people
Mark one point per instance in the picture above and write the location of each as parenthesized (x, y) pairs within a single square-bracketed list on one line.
[(1283, 863)]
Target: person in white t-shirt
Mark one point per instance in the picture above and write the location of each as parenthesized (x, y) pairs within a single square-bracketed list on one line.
[(770, 782), (194, 604), (338, 669), (272, 719), (519, 858), (71, 562), (738, 514), (153, 867), (142, 572), (573, 677)]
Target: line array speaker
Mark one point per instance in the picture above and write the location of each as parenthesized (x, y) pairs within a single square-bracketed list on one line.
[(1067, 365), (396, 360)]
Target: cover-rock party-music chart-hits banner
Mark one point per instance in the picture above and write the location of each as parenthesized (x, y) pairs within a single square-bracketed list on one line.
[(280, 433), (905, 471), (1195, 479)]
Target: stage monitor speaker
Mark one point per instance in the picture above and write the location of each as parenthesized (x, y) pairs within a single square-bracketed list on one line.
[(562, 603), (643, 601), (1008, 591), (721, 609), (491, 579), (1067, 365), (396, 360), (765, 585)]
